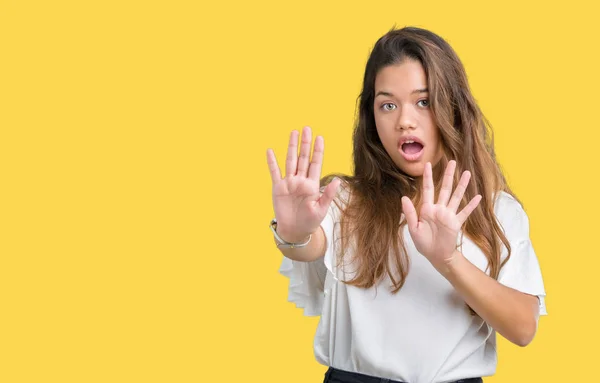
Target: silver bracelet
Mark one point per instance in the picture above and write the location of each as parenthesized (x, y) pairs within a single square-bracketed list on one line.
[(282, 243)]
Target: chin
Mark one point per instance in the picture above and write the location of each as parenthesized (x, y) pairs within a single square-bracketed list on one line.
[(413, 169)]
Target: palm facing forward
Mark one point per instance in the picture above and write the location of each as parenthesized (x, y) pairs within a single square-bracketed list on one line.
[(435, 229), (299, 206)]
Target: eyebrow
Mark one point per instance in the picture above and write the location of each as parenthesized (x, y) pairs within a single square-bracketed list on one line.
[(382, 93)]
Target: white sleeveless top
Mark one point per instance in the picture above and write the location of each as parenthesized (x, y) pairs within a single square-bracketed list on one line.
[(422, 334)]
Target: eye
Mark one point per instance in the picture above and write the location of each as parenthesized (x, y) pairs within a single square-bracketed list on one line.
[(386, 109), (426, 101)]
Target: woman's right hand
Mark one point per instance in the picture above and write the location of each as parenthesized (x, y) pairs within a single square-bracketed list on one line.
[(299, 206)]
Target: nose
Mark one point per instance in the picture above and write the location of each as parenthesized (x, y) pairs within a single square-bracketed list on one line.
[(406, 120)]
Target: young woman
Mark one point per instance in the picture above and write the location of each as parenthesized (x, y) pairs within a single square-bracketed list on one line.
[(419, 258)]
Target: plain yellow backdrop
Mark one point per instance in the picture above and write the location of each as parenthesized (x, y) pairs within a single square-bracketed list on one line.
[(135, 194)]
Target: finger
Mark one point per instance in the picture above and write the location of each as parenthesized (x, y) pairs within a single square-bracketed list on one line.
[(460, 191), (329, 194), (292, 155), (314, 172), (446, 189), (467, 210), (410, 213), (304, 152), (428, 184), (273, 166)]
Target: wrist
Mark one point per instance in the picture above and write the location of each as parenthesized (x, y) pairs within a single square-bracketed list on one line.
[(451, 265), (288, 238), (291, 237)]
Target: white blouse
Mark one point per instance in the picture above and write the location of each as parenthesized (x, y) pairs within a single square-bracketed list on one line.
[(424, 333)]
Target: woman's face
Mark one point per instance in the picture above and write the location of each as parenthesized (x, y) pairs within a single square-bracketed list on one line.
[(403, 118)]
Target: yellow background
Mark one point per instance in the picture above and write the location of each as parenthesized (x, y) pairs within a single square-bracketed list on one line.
[(135, 195)]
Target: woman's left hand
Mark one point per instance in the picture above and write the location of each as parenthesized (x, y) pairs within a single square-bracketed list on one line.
[(435, 229)]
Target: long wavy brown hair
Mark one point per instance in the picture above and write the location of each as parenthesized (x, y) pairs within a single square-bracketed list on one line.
[(371, 215)]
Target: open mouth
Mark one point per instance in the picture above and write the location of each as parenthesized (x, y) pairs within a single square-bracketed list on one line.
[(410, 147), (411, 150)]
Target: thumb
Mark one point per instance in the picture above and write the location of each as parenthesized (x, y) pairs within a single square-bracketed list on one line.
[(410, 212), (329, 194)]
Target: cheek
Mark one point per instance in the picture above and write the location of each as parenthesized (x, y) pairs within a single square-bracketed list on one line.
[(384, 127), (381, 130), (385, 137), (436, 140), (435, 134), (437, 143), (382, 137)]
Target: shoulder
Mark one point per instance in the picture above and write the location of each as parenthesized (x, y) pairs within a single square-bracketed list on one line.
[(510, 213), (505, 202)]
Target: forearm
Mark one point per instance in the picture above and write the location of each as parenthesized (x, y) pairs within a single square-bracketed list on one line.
[(312, 251), (511, 313)]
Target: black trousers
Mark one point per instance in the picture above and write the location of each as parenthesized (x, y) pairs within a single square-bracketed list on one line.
[(333, 375)]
